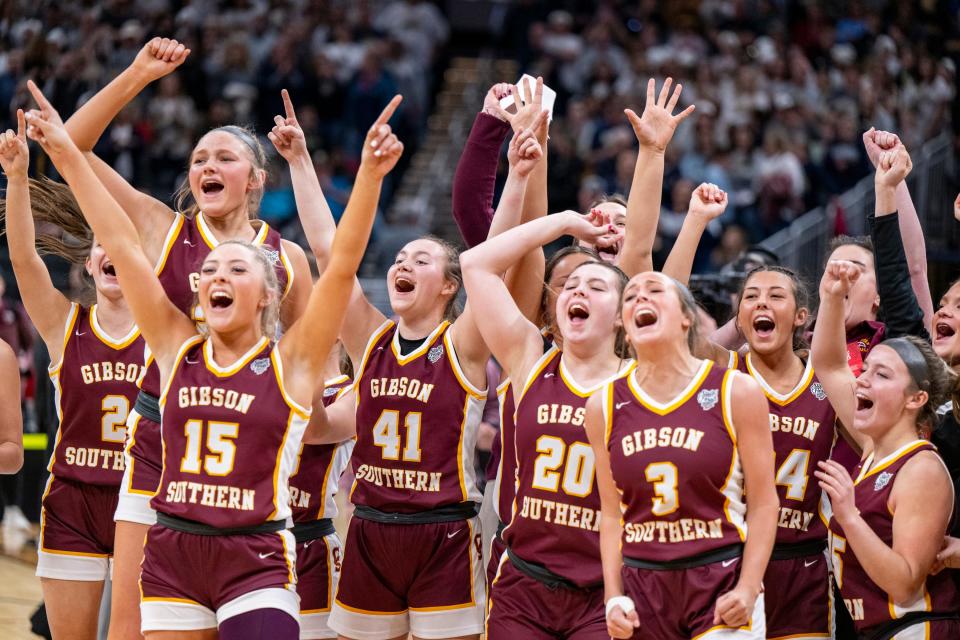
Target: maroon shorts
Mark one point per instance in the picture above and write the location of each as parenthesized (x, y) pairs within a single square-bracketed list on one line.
[(934, 630), (425, 579), (190, 581), (497, 549), (76, 530), (523, 607), (318, 572), (679, 604), (798, 598)]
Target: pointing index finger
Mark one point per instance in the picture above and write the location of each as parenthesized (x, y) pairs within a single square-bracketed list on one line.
[(288, 105), (38, 95), (388, 110)]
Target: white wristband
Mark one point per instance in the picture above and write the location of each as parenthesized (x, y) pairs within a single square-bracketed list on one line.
[(624, 602)]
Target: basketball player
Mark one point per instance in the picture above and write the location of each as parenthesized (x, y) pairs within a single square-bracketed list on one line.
[(888, 524), (225, 181), (316, 478), (772, 315), (685, 472), (97, 356), (234, 414), (417, 406), (548, 582)]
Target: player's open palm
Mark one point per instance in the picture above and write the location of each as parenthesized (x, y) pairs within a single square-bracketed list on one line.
[(14, 155), (655, 128), (160, 57)]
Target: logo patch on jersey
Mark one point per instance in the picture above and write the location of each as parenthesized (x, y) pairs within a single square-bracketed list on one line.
[(435, 354), (708, 398), (260, 365), (817, 390), (330, 391), (882, 480), (273, 256)]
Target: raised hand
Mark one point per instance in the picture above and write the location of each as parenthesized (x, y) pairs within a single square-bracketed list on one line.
[(838, 277), (529, 112), (382, 149), (491, 101), (655, 128), (287, 136), (893, 167), (876, 142), (525, 151), (591, 228), (45, 126), (707, 202), (160, 57), (14, 155)]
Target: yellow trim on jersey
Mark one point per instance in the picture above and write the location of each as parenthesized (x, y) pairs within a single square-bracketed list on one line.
[(239, 363), (536, 370), (291, 579), (82, 554), (867, 471), (105, 338), (369, 613), (503, 386), (461, 473), (128, 457), (802, 636), (68, 329), (585, 392), (181, 353), (278, 373), (782, 399), (726, 403), (172, 234), (261, 232), (276, 465), (419, 351), (159, 599), (374, 339), (606, 408), (662, 409), (326, 480), (288, 267), (720, 627), (732, 360), (927, 607), (458, 372)]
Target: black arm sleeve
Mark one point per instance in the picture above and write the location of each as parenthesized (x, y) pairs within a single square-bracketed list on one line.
[(899, 309)]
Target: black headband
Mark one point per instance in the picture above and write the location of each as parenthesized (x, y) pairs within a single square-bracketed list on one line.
[(912, 357)]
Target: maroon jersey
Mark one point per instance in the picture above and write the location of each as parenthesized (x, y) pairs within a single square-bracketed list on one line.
[(315, 479), (868, 604), (802, 422), (505, 486), (417, 419), (187, 244), (556, 512), (677, 467), (230, 438), (96, 384)]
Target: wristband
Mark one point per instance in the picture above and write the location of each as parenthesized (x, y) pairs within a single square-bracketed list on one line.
[(624, 602)]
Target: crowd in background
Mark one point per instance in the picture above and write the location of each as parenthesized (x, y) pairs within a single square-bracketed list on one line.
[(779, 115)]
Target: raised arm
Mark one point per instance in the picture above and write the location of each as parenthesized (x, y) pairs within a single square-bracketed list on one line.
[(332, 424), (157, 58), (654, 130), (914, 245), (829, 347), (620, 623), (476, 176), (898, 298), (164, 327), (288, 139), (514, 340), (47, 307), (11, 420), (755, 447), (707, 203), (921, 503), (306, 344)]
